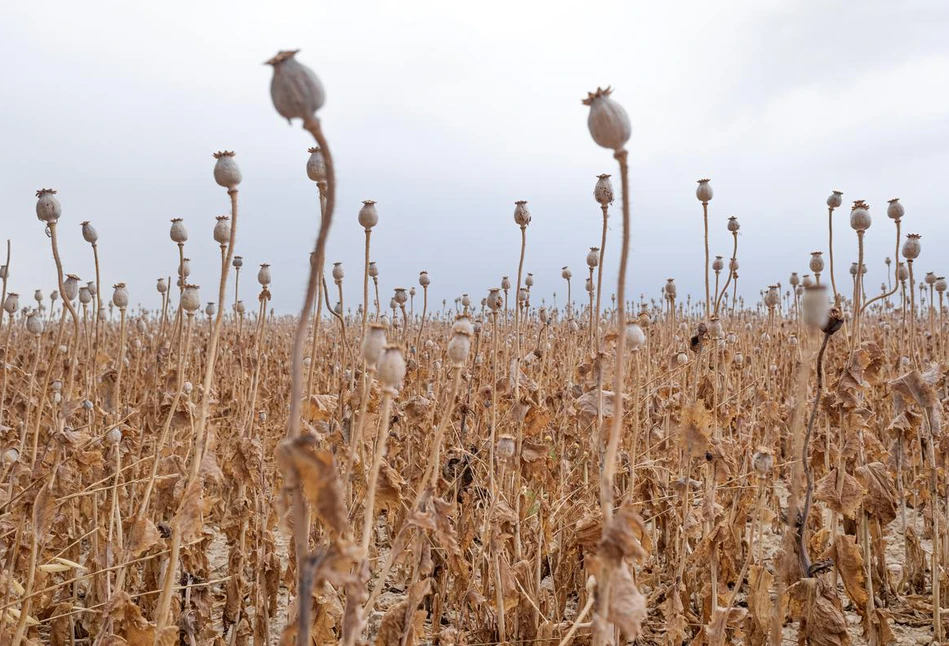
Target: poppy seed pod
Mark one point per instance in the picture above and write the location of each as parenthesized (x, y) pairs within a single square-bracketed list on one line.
[(412, 292), (423, 279), (141, 326), (715, 329), (670, 288), (178, 232), (368, 216), (54, 295), (733, 225), (241, 308), (463, 324), (506, 447), (588, 285), (860, 216), (608, 122), (48, 208), (373, 344), (84, 296), (264, 275), (795, 280), (238, 262), (529, 280), (912, 246), (10, 456), (120, 296), (11, 303), (338, 271), (222, 230), (458, 348), (835, 199), (505, 283), (113, 436), (573, 325), (89, 233), (34, 323), (3, 271), (391, 368), (162, 286), (191, 299), (494, 299), (400, 296), (465, 300), (373, 270), (762, 462), (682, 358), (704, 191), (566, 274), (718, 264), (815, 306), (902, 272), (894, 210), (635, 337), (523, 295), (940, 284), (209, 309), (816, 264), (70, 288), (593, 257), (807, 281), (930, 278), (316, 165), (295, 90), (38, 296), (603, 191), (226, 171), (184, 269), (522, 216), (773, 297)]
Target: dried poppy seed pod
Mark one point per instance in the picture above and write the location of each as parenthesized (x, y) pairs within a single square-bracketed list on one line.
[(187, 387), (853, 269), (522, 216), (807, 281), (4, 272), (718, 264), (120, 296), (542, 315), (733, 225), (739, 359), (423, 279), (263, 275), (715, 329), (835, 199), (635, 337), (794, 280), (240, 307), (816, 264), (238, 262), (141, 326), (338, 271), (912, 247), (368, 216), (222, 230), (682, 358), (412, 292), (316, 165), (10, 456), (70, 288), (566, 274), (603, 191), (593, 257), (162, 286), (608, 122), (400, 296), (191, 299), (505, 283), (210, 309), (226, 171), (815, 306), (860, 216), (895, 210), (85, 297), (465, 300), (670, 288), (940, 284), (458, 348), (178, 232), (373, 270), (463, 324), (89, 233), (373, 344), (573, 325), (295, 90), (930, 278), (494, 299), (38, 295), (34, 323), (506, 447), (902, 272), (762, 462), (113, 436), (588, 285), (184, 269), (704, 192), (773, 297), (391, 368), (529, 280), (48, 209), (54, 295), (523, 295)]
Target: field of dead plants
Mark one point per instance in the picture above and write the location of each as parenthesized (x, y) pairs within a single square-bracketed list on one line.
[(399, 471)]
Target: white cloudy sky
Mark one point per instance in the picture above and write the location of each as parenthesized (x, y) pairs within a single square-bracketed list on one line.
[(447, 112)]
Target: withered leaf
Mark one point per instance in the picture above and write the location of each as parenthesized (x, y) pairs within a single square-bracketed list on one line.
[(316, 472)]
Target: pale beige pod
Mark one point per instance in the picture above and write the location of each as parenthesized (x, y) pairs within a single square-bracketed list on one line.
[(338, 271), (391, 368), (522, 216), (835, 199), (718, 264), (162, 286), (860, 216), (566, 274), (400, 296), (11, 303), (704, 192), (462, 324), (423, 279), (895, 210), (505, 283), (238, 262), (120, 296), (210, 309), (295, 90), (84, 296), (529, 280), (603, 191), (226, 171), (816, 264), (70, 287), (179, 234), (815, 306), (222, 230), (635, 337), (89, 233), (368, 215), (374, 344), (912, 247), (373, 270), (34, 323), (593, 257), (733, 226), (608, 122), (316, 165), (48, 209), (191, 299), (458, 348), (264, 275)]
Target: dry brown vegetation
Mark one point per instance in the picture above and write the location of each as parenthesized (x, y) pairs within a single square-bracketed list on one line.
[(468, 476)]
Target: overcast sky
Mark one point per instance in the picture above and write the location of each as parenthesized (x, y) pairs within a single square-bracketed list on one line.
[(445, 113)]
